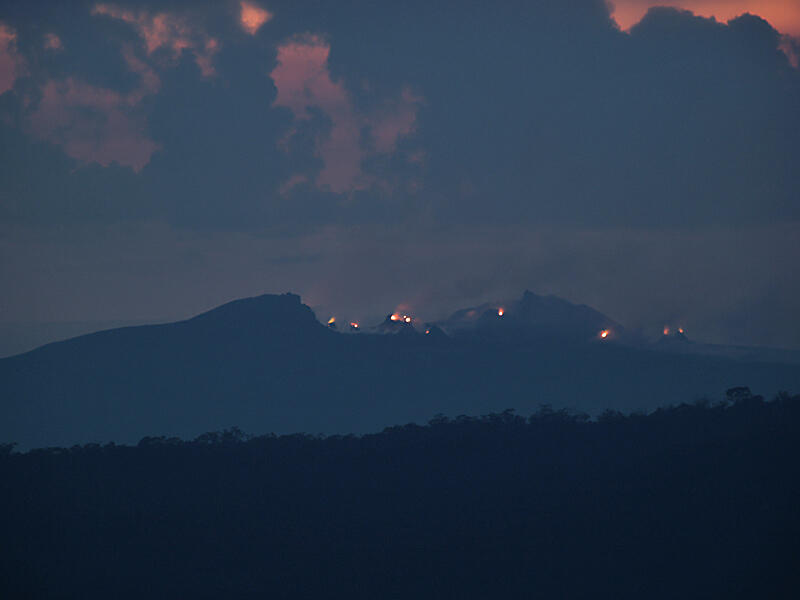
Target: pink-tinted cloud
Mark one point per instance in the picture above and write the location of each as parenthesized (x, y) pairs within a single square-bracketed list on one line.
[(395, 120), (11, 62), (149, 82), (784, 15), (303, 81), (293, 181), (52, 42), (791, 48), (167, 31), (252, 17), (95, 124)]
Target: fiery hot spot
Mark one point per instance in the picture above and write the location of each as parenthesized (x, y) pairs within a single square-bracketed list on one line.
[(500, 312), (680, 329), (395, 317), (604, 333), (331, 321), (354, 325), (407, 319), (666, 330)]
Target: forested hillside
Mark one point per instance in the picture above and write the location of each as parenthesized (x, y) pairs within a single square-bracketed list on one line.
[(692, 501)]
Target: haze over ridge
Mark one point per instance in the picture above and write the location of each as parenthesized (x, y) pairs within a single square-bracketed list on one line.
[(267, 364), (154, 148)]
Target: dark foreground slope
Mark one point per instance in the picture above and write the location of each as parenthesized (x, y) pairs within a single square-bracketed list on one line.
[(266, 364), (691, 502)]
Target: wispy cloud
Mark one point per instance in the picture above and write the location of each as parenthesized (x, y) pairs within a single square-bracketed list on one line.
[(52, 42), (96, 124), (168, 31), (304, 84), (11, 63)]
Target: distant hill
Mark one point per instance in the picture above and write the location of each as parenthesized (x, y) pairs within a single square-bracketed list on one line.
[(16, 338), (544, 317), (267, 364)]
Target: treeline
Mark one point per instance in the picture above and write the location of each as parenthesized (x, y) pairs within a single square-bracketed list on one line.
[(694, 501)]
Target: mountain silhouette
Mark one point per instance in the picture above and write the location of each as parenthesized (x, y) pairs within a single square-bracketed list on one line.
[(266, 364), (532, 316)]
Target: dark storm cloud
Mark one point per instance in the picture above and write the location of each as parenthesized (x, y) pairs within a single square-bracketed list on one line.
[(783, 14), (547, 111), (184, 95), (543, 111)]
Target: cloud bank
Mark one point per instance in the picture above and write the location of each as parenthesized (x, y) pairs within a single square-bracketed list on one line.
[(286, 120)]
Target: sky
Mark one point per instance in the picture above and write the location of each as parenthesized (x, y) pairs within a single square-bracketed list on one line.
[(783, 15), (160, 158)]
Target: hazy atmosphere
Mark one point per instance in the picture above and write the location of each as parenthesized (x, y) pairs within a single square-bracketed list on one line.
[(160, 158), (399, 299)]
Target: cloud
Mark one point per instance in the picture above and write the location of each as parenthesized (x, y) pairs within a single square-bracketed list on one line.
[(304, 85), (96, 124), (784, 15), (252, 17), (544, 113), (52, 42), (791, 48), (11, 63), (552, 150), (167, 31)]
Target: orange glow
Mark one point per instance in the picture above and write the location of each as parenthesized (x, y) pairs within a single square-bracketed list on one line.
[(604, 333), (680, 329), (407, 319), (500, 312), (427, 331), (666, 330), (354, 325), (395, 317), (331, 321), (784, 15), (252, 17)]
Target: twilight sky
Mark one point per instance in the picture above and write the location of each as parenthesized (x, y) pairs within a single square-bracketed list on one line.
[(160, 158)]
